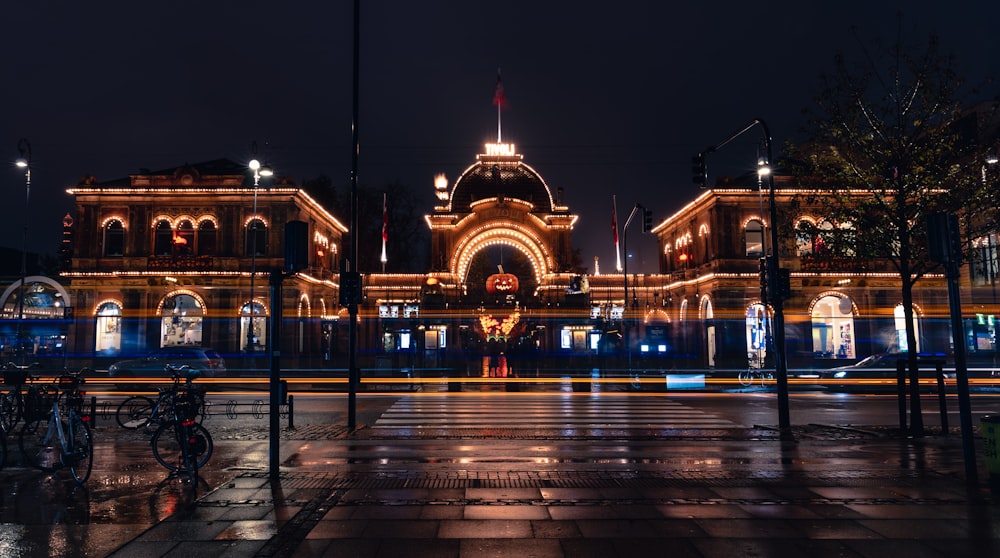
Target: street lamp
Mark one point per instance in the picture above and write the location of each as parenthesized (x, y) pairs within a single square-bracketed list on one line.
[(777, 336), (258, 171), (23, 162)]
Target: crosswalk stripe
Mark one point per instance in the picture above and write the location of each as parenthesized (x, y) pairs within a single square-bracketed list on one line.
[(545, 412)]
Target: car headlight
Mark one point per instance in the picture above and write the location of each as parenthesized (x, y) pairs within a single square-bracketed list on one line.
[(840, 375)]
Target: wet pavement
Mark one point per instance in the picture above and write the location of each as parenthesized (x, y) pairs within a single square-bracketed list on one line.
[(404, 490)]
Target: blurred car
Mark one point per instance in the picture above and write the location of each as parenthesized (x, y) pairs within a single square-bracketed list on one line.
[(878, 372), (207, 361)]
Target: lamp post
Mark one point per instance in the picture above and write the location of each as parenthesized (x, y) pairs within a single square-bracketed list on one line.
[(258, 171), (778, 320), (23, 162)]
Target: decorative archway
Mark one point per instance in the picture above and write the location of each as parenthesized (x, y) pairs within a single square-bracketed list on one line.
[(494, 235)]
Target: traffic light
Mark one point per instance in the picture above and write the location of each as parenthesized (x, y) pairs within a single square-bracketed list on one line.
[(784, 283), (699, 170), (647, 220), (944, 238), (350, 288)]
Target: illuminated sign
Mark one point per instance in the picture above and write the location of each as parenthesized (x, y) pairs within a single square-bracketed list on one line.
[(500, 149)]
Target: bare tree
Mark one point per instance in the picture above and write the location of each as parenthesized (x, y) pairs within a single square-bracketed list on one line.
[(889, 143)]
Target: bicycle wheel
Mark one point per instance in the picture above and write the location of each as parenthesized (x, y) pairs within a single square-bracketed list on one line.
[(134, 412), (746, 377), (79, 457), (167, 447), (10, 410), (766, 378), (39, 443), (3, 448)]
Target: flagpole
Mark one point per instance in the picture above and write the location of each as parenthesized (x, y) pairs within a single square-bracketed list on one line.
[(498, 100), (614, 226), (385, 230)]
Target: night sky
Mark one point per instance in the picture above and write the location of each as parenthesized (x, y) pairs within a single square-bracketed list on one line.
[(603, 97)]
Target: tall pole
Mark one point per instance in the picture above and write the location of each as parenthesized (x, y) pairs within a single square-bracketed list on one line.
[(251, 348), (354, 374), (778, 323), (772, 263), (258, 171), (23, 162), (625, 328)]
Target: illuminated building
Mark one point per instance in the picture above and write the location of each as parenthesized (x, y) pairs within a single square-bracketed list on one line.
[(161, 258), (164, 258)]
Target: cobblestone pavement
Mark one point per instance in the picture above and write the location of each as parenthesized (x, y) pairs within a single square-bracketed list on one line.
[(740, 492)]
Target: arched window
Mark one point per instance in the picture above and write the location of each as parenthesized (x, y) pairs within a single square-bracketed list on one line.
[(206, 238), (255, 339), (184, 239), (805, 239), (756, 330), (114, 238), (108, 334), (256, 238), (900, 320), (833, 327), (754, 238), (163, 238), (181, 321)]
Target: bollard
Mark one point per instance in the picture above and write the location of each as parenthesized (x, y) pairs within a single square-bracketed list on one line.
[(942, 400), (901, 393), (93, 411), (291, 413), (991, 450)]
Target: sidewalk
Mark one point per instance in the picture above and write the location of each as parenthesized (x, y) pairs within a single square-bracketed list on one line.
[(744, 494)]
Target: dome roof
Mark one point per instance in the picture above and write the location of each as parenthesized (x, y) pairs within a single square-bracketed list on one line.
[(505, 176)]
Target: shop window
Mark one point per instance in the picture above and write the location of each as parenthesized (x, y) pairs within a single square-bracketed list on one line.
[(756, 332), (181, 321), (833, 328), (900, 321), (253, 328), (108, 334)]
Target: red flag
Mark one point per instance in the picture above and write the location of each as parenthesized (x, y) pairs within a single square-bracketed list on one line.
[(499, 100)]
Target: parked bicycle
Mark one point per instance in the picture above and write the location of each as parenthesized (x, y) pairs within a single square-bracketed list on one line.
[(55, 433), (751, 376), (140, 411), (181, 444), (12, 399), (3, 448)]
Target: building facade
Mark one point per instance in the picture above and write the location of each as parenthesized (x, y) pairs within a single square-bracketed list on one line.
[(184, 257)]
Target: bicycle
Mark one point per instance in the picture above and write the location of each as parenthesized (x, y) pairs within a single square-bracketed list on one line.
[(12, 400), (140, 411), (751, 375), (181, 444), (55, 436), (3, 448)]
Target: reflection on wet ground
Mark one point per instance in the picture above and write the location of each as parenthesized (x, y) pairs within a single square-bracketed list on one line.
[(45, 514)]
